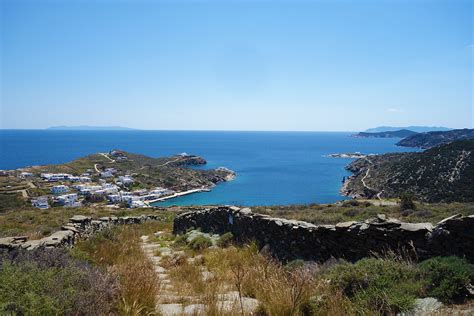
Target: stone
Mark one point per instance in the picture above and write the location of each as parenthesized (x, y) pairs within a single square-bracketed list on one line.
[(289, 239)]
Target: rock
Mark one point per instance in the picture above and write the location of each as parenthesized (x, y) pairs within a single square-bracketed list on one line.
[(170, 309), (79, 218), (424, 307)]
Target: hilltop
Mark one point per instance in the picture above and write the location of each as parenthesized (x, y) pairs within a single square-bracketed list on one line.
[(431, 139), (387, 134), (440, 174)]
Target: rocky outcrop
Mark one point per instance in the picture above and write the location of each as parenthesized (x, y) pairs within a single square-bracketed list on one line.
[(78, 227), (289, 239)]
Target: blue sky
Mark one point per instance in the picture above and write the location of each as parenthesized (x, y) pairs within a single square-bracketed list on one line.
[(237, 65)]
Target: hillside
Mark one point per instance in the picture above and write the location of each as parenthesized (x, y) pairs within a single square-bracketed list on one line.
[(441, 174), (388, 134), (432, 139), (148, 172)]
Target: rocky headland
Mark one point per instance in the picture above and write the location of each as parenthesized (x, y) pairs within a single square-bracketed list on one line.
[(440, 174), (432, 139)]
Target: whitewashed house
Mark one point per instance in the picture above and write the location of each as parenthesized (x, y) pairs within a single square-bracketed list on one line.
[(126, 179), (58, 189), (68, 200), (25, 175), (40, 202)]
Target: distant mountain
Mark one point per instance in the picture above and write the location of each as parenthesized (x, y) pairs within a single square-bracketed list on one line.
[(418, 129), (91, 128), (432, 139), (389, 134), (441, 174)]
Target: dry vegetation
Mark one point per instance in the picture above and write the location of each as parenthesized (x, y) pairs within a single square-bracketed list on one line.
[(118, 250)]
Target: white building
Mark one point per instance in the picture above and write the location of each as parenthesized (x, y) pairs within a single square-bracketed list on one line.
[(26, 175), (126, 179), (136, 204), (114, 198), (106, 174), (40, 202), (68, 200), (159, 191), (58, 189), (55, 176), (79, 179)]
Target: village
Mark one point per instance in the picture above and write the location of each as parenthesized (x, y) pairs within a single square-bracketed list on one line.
[(72, 191), (92, 186), (116, 179)]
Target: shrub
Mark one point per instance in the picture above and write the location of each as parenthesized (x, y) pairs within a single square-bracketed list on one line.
[(225, 240), (383, 286), (406, 201), (447, 277), (200, 242), (181, 240), (47, 282)]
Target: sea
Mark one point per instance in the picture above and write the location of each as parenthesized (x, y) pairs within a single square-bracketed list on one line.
[(273, 168)]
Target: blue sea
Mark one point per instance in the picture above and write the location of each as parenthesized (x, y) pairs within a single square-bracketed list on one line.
[(272, 167)]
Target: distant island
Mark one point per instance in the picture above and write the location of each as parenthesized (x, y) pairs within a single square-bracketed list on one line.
[(418, 129), (90, 128), (432, 139), (388, 134)]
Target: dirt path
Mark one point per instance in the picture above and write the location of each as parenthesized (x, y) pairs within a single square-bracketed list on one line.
[(170, 302), (168, 162), (365, 184), (107, 156)]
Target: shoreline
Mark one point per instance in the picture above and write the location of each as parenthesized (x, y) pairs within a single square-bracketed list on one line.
[(177, 194)]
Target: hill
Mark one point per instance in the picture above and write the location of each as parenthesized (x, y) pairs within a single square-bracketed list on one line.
[(432, 139), (418, 129), (440, 174), (388, 134), (148, 172)]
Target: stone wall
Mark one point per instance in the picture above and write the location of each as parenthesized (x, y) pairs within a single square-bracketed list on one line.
[(78, 227), (289, 239)]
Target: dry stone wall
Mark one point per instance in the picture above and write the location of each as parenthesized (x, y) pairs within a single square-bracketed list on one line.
[(78, 227), (289, 239)]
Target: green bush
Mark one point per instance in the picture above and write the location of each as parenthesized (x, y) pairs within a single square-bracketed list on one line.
[(181, 240), (382, 286), (407, 201), (52, 283), (200, 243), (447, 278), (225, 240)]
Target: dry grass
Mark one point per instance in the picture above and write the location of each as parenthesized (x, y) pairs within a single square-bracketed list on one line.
[(119, 251)]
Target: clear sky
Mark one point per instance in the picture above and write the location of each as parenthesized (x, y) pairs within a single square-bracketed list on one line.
[(237, 65)]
